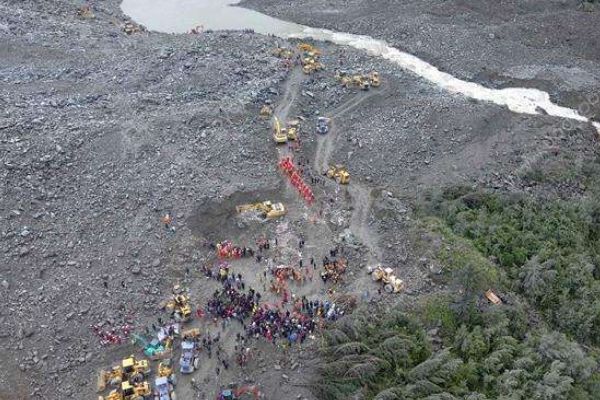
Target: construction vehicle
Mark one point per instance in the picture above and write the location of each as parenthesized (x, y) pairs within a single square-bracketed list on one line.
[(163, 389), (191, 334), (293, 127), (374, 79), (130, 27), (135, 370), (153, 349), (130, 391), (310, 65), (323, 125), (266, 111), (339, 173), (391, 283), (279, 133), (129, 370), (112, 377), (165, 370), (189, 361), (493, 297), (180, 307), (164, 383), (85, 11), (283, 52), (308, 48), (266, 209)]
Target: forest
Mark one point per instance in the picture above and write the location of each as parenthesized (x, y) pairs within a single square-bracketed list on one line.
[(541, 255)]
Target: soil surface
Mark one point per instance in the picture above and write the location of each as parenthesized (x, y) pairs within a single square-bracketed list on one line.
[(102, 133)]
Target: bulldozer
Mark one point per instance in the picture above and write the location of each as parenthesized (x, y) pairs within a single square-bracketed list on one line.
[(129, 391), (266, 209), (129, 370), (180, 306), (309, 48), (391, 283), (266, 111), (165, 370), (292, 129), (339, 173), (112, 377), (283, 52), (311, 64), (135, 370), (374, 79)]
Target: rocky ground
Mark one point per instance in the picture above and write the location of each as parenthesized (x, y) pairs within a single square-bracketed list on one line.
[(102, 133)]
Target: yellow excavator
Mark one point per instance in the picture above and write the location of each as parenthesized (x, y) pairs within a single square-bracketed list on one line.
[(279, 134), (391, 283), (267, 209), (339, 173)]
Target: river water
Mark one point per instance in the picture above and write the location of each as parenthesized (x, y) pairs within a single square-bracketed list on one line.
[(179, 16)]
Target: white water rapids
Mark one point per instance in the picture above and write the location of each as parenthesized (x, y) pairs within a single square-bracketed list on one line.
[(179, 16)]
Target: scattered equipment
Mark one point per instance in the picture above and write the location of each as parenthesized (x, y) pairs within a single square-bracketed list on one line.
[(266, 209), (391, 283), (362, 81), (339, 173)]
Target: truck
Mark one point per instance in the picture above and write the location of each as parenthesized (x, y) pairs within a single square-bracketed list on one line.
[(188, 362)]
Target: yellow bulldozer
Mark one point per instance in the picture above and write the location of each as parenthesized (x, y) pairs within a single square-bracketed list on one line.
[(309, 48), (283, 52), (311, 64), (364, 82), (339, 173), (266, 111), (391, 283), (374, 79), (266, 209), (293, 127), (179, 305), (129, 391), (130, 369)]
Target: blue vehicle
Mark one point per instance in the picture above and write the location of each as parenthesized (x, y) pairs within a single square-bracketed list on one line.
[(188, 362), (163, 389), (323, 125)]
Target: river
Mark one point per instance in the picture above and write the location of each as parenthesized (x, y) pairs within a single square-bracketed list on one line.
[(179, 16)]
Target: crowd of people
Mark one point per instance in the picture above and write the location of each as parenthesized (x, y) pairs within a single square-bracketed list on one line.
[(112, 335), (232, 304)]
